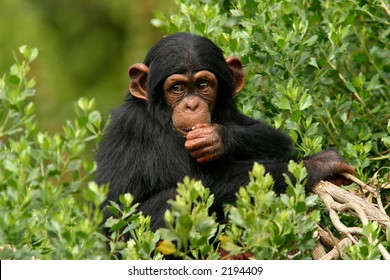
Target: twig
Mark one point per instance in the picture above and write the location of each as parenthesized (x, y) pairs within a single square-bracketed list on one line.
[(326, 239), (375, 192), (384, 252), (385, 7), (334, 254), (335, 242)]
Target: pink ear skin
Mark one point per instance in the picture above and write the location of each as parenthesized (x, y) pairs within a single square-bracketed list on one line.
[(235, 67), (138, 74)]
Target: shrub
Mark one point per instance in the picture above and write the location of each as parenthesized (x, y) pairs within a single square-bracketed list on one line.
[(316, 69), (49, 207)]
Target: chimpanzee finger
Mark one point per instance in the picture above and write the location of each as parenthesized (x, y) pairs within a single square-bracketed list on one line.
[(202, 125), (209, 157), (346, 168), (202, 152), (198, 143), (200, 130), (340, 180)]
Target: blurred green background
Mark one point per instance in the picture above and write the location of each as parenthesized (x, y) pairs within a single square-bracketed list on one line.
[(85, 48)]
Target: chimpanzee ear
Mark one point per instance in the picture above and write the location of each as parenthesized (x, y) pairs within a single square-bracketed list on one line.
[(138, 74), (235, 67)]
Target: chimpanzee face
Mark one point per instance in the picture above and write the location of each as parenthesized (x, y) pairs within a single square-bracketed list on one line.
[(191, 98), (189, 76)]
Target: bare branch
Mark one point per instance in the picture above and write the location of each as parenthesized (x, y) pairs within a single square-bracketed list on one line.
[(338, 200), (384, 252), (373, 191), (328, 191), (334, 254)]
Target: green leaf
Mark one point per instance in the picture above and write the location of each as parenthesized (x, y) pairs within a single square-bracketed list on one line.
[(95, 118), (236, 218), (84, 104), (311, 41), (14, 79), (29, 54), (305, 102), (283, 103), (10, 166), (313, 62)]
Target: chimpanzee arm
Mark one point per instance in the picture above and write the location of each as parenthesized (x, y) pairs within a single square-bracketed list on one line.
[(327, 165), (249, 139), (266, 145)]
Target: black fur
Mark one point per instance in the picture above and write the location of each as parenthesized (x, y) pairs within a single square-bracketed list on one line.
[(142, 154)]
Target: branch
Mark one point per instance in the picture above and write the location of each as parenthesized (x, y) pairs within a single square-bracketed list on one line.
[(338, 200), (335, 253), (384, 6), (362, 185), (331, 194)]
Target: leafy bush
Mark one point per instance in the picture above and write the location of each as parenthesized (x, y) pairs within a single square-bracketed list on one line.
[(270, 226), (316, 69), (47, 200)]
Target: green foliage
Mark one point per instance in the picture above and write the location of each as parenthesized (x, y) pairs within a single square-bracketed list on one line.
[(271, 226), (189, 225), (130, 236), (317, 69), (367, 247), (49, 207)]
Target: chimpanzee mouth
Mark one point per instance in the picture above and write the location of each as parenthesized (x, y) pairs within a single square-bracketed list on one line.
[(183, 130)]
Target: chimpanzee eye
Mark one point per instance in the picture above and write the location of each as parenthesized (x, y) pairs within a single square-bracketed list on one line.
[(203, 86), (178, 88)]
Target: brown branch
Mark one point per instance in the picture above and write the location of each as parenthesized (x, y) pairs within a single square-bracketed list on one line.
[(328, 191), (334, 254), (318, 251), (338, 200), (375, 192), (384, 252), (326, 238), (335, 242)]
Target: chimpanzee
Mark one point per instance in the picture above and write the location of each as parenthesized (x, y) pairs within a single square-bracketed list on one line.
[(179, 119)]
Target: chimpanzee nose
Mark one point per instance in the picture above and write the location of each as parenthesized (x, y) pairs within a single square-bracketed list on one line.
[(192, 103)]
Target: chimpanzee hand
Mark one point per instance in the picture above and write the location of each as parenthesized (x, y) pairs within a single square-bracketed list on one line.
[(327, 165), (204, 142)]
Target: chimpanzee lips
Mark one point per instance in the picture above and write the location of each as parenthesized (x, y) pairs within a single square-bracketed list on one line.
[(183, 130)]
